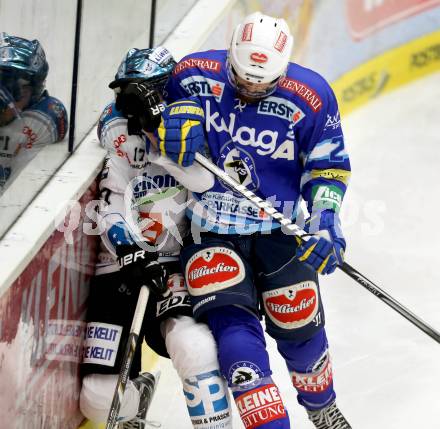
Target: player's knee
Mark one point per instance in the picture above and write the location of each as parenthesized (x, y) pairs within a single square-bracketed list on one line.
[(96, 397), (191, 346), (242, 367), (193, 351), (242, 351), (302, 355)]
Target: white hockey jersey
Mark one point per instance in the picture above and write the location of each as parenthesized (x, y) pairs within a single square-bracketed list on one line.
[(143, 195), (43, 123)]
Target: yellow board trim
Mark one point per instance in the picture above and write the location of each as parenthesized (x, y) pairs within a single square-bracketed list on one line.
[(87, 424), (387, 72)]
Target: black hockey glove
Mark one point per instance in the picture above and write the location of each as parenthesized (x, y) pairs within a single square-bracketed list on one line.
[(140, 267), (141, 105)]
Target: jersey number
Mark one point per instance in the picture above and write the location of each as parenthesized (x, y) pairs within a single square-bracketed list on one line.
[(335, 154), (139, 154)]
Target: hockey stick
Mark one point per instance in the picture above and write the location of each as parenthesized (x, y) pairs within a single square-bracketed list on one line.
[(346, 268), (127, 360)]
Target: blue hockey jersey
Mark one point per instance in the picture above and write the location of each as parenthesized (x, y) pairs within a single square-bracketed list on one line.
[(286, 146)]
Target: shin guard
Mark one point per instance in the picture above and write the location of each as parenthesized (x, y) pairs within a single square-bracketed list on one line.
[(244, 362), (310, 369)]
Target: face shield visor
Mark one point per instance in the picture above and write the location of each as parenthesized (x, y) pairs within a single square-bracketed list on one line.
[(249, 89)]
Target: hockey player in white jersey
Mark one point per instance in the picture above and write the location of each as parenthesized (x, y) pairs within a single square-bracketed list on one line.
[(29, 117), (143, 198)]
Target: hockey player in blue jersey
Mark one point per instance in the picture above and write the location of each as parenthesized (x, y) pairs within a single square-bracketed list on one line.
[(29, 117), (274, 126)]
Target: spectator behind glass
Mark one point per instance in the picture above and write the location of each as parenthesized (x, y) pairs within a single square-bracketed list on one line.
[(29, 118)]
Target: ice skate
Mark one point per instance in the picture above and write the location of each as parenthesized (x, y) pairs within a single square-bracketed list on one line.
[(329, 417), (146, 384)]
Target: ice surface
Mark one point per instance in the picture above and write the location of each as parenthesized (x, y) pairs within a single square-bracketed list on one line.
[(387, 371)]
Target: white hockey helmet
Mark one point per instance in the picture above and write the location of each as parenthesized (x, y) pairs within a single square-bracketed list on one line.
[(259, 53)]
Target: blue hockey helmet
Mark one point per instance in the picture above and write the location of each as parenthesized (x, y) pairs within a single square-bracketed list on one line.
[(22, 62), (153, 65)]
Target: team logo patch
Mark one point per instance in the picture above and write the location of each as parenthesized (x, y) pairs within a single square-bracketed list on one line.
[(106, 114), (332, 174), (333, 121), (148, 190), (232, 207), (56, 108), (245, 374), (176, 282), (260, 406), (160, 56), (259, 57), (201, 63), (317, 381), (205, 394), (240, 165), (263, 142), (280, 44), (302, 90), (203, 86), (177, 299), (292, 306), (246, 36), (101, 343), (281, 108), (327, 197), (213, 269)]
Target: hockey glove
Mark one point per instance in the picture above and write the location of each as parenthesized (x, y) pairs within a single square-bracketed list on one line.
[(141, 268), (141, 105), (324, 250), (181, 133)]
